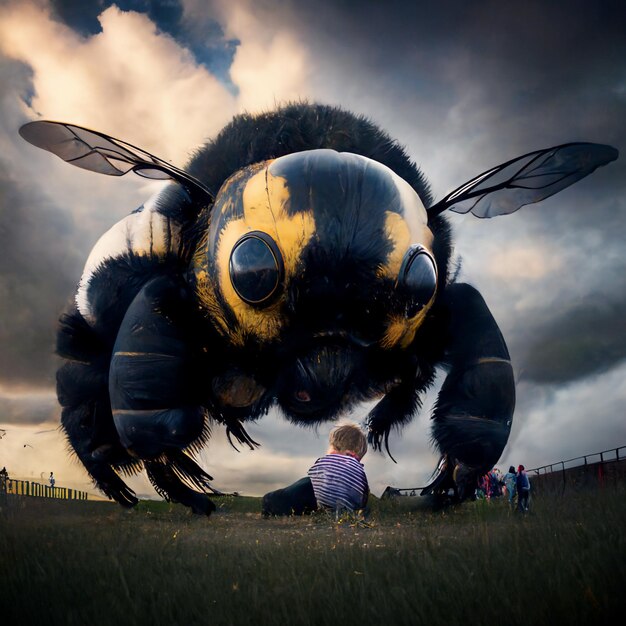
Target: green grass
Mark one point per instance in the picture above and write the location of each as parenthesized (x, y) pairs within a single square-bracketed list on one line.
[(89, 563)]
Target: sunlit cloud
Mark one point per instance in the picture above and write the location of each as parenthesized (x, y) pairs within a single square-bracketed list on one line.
[(523, 263), (270, 66), (130, 80)]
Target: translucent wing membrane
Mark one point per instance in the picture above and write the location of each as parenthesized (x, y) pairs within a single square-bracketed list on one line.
[(97, 152), (525, 180)]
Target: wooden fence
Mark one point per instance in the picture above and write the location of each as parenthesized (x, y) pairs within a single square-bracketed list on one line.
[(30, 488)]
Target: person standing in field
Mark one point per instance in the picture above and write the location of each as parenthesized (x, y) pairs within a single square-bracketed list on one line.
[(510, 480), (523, 489), (494, 484), (482, 487)]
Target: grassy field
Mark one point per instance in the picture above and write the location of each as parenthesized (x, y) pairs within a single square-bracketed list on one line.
[(91, 563)]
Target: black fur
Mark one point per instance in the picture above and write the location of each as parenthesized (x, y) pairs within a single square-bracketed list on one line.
[(297, 127)]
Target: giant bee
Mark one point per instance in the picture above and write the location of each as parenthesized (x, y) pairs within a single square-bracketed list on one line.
[(298, 261)]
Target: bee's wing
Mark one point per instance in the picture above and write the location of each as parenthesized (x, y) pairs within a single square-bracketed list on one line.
[(100, 153), (527, 179)]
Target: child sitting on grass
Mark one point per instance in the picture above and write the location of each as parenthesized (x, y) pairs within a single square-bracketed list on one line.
[(336, 481)]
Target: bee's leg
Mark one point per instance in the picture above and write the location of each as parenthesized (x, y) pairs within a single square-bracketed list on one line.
[(154, 390), (413, 373), (100, 469), (395, 410), (474, 410), (164, 475), (86, 414)]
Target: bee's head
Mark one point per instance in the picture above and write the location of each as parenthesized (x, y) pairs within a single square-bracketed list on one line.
[(317, 247)]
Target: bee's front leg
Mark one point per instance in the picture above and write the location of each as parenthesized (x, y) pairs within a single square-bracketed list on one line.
[(395, 409), (153, 386), (474, 411)]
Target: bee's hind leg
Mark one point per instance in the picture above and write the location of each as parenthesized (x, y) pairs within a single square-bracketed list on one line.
[(474, 411), (86, 415)]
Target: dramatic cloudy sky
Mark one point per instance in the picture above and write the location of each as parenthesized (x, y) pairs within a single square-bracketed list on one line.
[(463, 85)]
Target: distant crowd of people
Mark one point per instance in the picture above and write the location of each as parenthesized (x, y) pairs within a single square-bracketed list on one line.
[(514, 485)]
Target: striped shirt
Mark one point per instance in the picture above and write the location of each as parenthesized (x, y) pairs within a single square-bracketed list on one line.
[(339, 482)]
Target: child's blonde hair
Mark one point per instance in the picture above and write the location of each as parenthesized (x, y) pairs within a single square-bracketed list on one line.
[(348, 438)]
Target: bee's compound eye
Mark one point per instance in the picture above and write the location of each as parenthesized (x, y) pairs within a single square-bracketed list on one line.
[(256, 268), (418, 275)]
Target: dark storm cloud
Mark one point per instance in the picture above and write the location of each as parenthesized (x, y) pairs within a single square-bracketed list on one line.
[(486, 39), (37, 272), (466, 85), (488, 82), (530, 71), (207, 43), (28, 408), (39, 263), (580, 342), (576, 325), (82, 15)]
